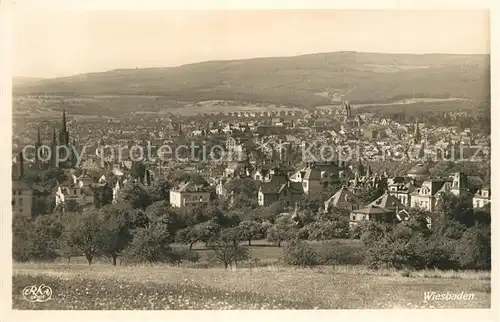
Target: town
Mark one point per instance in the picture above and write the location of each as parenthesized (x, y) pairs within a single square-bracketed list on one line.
[(278, 152)]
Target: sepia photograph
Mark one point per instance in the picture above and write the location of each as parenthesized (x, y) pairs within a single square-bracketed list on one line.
[(251, 159)]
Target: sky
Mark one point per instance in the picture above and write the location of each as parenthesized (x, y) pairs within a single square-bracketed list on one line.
[(63, 43)]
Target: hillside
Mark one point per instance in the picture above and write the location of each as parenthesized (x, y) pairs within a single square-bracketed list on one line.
[(305, 81)]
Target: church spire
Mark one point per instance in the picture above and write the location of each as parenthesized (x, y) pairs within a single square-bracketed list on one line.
[(63, 129), (54, 148), (418, 136)]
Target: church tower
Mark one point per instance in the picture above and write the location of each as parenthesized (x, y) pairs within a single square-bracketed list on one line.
[(417, 136), (64, 142), (38, 145)]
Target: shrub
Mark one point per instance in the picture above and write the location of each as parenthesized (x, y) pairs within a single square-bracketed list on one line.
[(355, 232), (300, 253), (336, 253), (184, 254)]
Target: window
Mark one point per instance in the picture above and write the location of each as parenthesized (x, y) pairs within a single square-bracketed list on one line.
[(20, 201)]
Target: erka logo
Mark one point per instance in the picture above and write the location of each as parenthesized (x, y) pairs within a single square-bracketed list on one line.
[(35, 293)]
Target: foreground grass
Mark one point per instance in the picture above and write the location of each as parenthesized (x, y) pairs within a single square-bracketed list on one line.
[(162, 287)]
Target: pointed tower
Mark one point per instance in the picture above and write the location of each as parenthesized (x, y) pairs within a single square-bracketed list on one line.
[(38, 145), (54, 148), (417, 137)]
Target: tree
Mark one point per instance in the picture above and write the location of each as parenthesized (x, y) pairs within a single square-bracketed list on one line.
[(206, 231), (326, 230), (84, 234), (227, 253), (22, 229), (162, 211), (136, 195), (150, 244), (300, 253), (187, 236), (160, 191), (280, 232), (115, 232), (372, 231), (473, 250), (250, 230), (47, 231)]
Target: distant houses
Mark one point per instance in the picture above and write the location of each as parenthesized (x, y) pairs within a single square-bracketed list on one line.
[(189, 193)]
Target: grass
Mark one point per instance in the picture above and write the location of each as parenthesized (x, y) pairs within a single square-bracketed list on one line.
[(100, 286)]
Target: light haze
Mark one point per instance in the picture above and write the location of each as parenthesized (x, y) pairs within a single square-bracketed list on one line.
[(55, 44)]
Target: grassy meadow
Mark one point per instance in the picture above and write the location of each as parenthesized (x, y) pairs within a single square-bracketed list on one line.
[(266, 285)]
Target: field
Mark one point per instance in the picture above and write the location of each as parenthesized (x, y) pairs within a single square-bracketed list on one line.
[(75, 285)]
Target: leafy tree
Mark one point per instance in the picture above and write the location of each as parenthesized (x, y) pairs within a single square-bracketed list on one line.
[(227, 253), (84, 234), (160, 191), (150, 244), (115, 232), (47, 231), (372, 231), (473, 250), (245, 186), (300, 253), (280, 232), (207, 231), (326, 230), (250, 230), (134, 194), (22, 230), (161, 211), (187, 236)]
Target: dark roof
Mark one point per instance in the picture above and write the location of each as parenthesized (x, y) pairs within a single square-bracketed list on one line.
[(373, 210), (191, 187)]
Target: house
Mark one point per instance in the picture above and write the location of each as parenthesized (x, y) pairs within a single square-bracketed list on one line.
[(22, 198), (427, 196), (318, 177), (238, 168), (482, 197), (345, 199), (188, 193), (280, 188), (386, 208), (389, 203), (401, 189), (371, 212)]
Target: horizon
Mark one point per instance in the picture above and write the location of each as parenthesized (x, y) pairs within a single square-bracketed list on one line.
[(249, 58), (52, 44)]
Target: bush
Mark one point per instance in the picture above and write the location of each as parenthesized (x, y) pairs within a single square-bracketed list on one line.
[(184, 254), (355, 232), (300, 253), (336, 253)]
